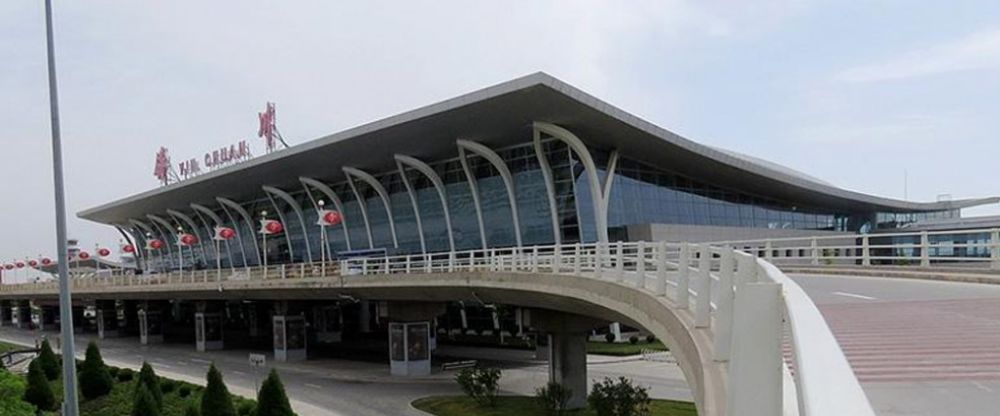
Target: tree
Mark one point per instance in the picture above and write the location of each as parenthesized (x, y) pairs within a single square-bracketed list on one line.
[(271, 399), (215, 400), (145, 404), (49, 362), (95, 380), (12, 388), (149, 381), (39, 392), (191, 409)]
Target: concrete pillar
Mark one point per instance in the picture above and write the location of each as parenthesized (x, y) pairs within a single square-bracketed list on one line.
[(289, 334), (107, 319), (208, 327), (410, 342), (364, 317), (567, 335), (616, 328), (150, 318), (21, 314)]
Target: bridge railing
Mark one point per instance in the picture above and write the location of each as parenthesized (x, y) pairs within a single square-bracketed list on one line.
[(944, 248), (747, 307)]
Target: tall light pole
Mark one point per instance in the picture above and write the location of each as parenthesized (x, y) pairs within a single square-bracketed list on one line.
[(322, 235), (70, 404)]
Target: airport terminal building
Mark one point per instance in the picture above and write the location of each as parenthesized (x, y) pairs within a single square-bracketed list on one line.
[(531, 161)]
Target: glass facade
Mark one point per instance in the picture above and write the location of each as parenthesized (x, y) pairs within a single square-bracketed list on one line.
[(640, 194)]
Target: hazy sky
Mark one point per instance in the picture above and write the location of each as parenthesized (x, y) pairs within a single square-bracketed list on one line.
[(854, 92)]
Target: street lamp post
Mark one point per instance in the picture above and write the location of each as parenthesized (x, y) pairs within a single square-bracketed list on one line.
[(263, 216), (322, 238), (70, 404), (180, 251)]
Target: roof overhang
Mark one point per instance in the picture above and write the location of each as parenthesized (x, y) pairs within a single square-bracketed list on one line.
[(499, 116)]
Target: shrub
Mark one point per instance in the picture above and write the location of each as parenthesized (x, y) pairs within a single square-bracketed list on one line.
[(553, 397), (246, 408), (271, 399), (619, 398), (113, 371), (191, 409), (49, 362), (95, 380), (216, 400), (167, 385), (481, 384), (184, 391), (12, 388), (149, 380), (610, 337), (125, 374), (633, 339), (650, 338), (145, 403), (39, 392)]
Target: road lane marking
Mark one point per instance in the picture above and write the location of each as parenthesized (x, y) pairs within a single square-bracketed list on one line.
[(856, 296), (200, 361), (315, 386)]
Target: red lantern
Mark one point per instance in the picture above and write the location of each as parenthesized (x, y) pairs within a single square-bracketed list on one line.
[(103, 252), (20, 264), (270, 227), (46, 261), (83, 255), (8, 266), (154, 244), (128, 248), (227, 233), (33, 263), (188, 239), (330, 218)]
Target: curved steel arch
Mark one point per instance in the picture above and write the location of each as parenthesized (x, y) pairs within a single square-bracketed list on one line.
[(438, 184), (201, 212), (380, 190), (270, 190), (505, 175), (577, 146), (246, 218), (326, 190), (157, 223), (416, 207), (124, 230), (194, 228)]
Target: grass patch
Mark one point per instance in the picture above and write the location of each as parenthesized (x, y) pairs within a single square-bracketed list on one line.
[(526, 406), (619, 349), (6, 346)]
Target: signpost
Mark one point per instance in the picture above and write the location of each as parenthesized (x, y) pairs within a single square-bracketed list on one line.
[(257, 361)]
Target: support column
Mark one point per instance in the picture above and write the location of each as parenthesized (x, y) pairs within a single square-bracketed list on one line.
[(567, 335), (289, 334), (21, 314), (150, 316), (410, 342), (364, 317), (107, 319), (208, 327), (128, 319)]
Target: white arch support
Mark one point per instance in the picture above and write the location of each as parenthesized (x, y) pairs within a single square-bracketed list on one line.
[(201, 212), (380, 190), (438, 184), (129, 232), (577, 146), (416, 207), (181, 217), (609, 179), (505, 175), (246, 218), (332, 196), (550, 187), (298, 212), (145, 230), (158, 222)]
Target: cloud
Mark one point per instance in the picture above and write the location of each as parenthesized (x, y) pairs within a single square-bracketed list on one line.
[(980, 50)]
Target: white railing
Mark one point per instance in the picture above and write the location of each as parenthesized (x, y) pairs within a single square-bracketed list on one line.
[(975, 248), (743, 302)]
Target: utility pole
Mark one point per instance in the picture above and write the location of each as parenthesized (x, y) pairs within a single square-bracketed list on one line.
[(70, 404)]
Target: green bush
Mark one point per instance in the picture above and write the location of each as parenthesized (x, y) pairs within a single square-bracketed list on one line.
[(95, 380), (39, 392), (144, 404), (246, 408), (49, 362), (167, 385), (633, 339), (191, 409), (481, 384), (149, 380), (184, 390), (553, 397), (125, 374), (271, 399), (650, 338), (12, 389), (619, 398), (215, 401), (610, 337), (113, 371)]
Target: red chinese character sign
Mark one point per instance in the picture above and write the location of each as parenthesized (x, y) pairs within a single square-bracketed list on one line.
[(162, 167), (268, 129)]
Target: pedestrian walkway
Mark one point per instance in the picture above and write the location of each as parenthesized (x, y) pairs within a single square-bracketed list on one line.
[(921, 340)]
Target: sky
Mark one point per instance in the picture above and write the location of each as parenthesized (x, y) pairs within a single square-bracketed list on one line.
[(867, 95)]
